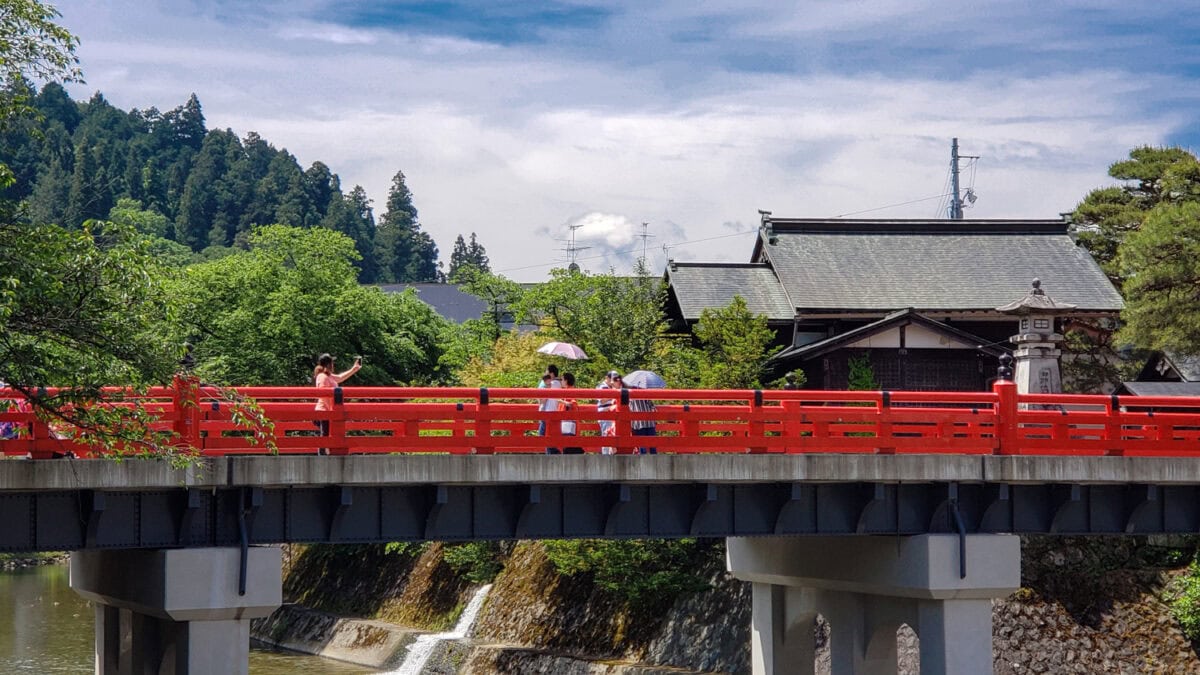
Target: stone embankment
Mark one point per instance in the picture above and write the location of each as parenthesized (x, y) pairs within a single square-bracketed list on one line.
[(1086, 606)]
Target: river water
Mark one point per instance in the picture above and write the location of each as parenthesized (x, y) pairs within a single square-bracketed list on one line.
[(46, 628)]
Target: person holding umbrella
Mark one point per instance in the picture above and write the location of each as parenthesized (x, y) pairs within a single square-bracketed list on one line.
[(641, 427)]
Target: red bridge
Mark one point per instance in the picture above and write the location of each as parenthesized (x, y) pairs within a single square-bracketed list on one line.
[(456, 420)]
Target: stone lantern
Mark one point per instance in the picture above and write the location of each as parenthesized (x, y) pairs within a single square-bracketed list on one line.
[(1037, 351)]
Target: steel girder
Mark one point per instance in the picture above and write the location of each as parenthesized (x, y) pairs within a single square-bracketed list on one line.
[(77, 519)]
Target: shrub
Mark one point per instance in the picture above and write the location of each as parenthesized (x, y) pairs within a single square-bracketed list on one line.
[(478, 561), (641, 572), (408, 549), (1186, 602)]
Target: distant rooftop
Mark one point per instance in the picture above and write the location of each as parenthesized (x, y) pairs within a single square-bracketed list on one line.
[(700, 286), (448, 300), (963, 265)]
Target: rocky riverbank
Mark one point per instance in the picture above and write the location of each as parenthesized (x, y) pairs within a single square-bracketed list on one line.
[(1086, 606), (20, 561)]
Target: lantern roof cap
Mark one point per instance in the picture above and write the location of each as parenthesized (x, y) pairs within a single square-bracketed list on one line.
[(1035, 302)]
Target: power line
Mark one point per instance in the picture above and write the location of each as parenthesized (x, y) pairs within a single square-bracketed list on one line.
[(892, 206), (634, 249)]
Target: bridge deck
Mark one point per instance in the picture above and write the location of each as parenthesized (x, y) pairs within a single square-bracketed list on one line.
[(400, 470), (75, 504)]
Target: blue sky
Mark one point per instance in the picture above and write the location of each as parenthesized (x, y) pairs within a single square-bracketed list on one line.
[(517, 120)]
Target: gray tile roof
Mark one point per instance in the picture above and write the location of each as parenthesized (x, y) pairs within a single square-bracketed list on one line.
[(881, 265), (1162, 388), (448, 300), (1188, 367), (700, 286)]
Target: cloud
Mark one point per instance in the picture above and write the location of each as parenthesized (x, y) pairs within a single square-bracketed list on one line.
[(688, 116), (338, 35)]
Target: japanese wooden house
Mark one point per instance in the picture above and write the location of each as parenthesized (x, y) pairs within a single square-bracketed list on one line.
[(917, 297)]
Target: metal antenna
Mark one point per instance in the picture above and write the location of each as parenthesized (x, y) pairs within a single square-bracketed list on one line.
[(956, 205), (644, 236), (572, 250)]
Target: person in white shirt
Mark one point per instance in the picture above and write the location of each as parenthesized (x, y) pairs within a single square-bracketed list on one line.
[(549, 381), (612, 380)]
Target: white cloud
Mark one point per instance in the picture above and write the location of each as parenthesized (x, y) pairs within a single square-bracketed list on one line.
[(517, 143), (338, 35)]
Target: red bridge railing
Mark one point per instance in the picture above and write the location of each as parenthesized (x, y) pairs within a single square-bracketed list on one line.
[(457, 420)]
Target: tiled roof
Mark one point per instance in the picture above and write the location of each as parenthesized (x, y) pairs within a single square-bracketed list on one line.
[(1162, 388), (882, 265), (448, 300), (1188, 367), (700, 286)]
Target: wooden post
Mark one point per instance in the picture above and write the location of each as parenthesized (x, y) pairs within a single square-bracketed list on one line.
[(1007, 430), (483, 425), (338, 445), (185, 400)]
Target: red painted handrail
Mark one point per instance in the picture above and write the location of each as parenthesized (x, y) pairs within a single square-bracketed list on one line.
[(458, 420)]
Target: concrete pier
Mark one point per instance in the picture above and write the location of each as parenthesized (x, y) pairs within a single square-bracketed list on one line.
[(866, 588), (177, 611)]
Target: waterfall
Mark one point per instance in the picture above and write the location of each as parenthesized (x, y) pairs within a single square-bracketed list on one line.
[(422, 647)]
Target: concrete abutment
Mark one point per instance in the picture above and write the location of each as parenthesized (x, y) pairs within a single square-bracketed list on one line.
[(176, 611), (866, 588)]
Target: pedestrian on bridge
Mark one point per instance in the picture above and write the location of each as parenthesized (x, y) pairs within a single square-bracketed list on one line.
[(325, 377), (612, 380), (642, 427), (569, 427)]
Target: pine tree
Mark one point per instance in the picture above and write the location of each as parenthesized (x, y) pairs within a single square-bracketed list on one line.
[(466, 259), (89, 196), (477, 255), (458, 258), (403, 253)]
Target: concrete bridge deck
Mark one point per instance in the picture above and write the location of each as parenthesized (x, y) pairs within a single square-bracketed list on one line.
[(458, 470), (223, 501)]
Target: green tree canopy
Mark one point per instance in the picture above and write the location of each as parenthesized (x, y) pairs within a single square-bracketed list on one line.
[(263, 315), (617, 320), (1106, 216), (1161, 265), (737, 344)]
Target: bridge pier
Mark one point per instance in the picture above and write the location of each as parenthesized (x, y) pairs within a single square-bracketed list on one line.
[(176, 611), (866, 588)]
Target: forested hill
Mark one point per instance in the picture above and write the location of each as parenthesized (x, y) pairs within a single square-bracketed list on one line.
[(204, 189)]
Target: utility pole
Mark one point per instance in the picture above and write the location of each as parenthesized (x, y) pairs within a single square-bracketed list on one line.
[(956, 205)]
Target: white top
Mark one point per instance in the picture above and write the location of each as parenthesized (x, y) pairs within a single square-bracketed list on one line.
[(551, 404)]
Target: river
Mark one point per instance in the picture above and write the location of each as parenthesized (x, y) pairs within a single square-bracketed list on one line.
[(46, 628)]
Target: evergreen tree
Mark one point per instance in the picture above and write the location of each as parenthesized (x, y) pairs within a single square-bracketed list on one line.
[(351, 215), (458, 258), (465, 256), (1106, 216), (477, 255), (403, 252), (47, 204), (197, 206), (1161, 264), (55, 105), (89, 196)]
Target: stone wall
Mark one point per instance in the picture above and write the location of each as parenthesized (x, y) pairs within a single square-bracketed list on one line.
[(1087, 606)]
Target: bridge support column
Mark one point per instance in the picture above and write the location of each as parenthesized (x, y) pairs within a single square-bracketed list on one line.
[(176, 611), (866, 588)]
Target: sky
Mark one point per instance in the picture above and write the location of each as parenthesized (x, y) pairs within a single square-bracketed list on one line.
[(525, 122)]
